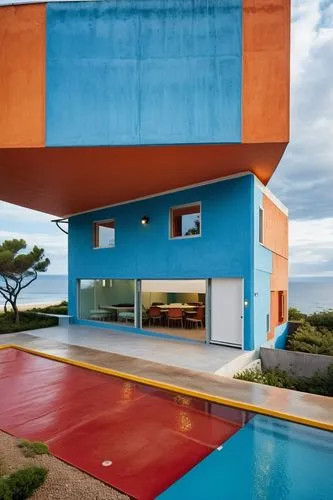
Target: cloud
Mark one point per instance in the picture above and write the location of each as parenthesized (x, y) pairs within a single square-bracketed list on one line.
[(304, 179), (13, 212), (311, 247)]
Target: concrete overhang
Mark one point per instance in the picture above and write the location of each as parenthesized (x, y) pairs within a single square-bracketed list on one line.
[(65, 181)]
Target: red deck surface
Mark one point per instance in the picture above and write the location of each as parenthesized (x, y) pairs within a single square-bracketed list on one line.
[(152, 437)]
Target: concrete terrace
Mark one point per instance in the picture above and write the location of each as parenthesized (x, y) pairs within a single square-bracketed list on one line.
[(190, 355), (294, 404)]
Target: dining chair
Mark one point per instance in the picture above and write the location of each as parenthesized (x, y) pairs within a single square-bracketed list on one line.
[(175, 316), (155, 315), (197, 319)]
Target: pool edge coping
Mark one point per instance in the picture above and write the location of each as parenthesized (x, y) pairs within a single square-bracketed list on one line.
[(177, 389)]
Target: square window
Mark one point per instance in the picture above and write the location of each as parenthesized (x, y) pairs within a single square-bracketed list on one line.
[(185, 221), (104, 234), (261, 225)]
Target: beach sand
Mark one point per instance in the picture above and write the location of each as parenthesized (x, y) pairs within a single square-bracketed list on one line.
[(25, 307)]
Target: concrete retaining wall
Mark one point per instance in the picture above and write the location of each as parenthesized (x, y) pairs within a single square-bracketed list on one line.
[(294, 363)]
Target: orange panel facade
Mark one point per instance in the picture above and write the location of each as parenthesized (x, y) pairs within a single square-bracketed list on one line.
[(279, 277), (22, 79), (275, 228), (266, 70)]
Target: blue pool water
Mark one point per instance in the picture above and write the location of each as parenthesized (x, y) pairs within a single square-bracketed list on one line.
[(268, 459)]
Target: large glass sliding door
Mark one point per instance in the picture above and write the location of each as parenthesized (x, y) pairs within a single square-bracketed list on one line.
[(174, 307), (171, 307), (107, 300)]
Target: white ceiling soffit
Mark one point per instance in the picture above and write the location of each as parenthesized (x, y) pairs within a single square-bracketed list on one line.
[(174, 286)]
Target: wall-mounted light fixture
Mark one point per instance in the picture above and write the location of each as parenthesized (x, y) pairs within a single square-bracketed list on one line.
[(144, 220), (246, 303)]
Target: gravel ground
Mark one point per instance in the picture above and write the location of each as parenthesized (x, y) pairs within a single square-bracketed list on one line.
[(63, 482)]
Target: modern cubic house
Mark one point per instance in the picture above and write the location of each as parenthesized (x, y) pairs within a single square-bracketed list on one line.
[(152, 127)]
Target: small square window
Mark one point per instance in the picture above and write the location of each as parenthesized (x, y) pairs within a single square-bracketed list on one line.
[(104, 234), (261, 225), (185, 221)]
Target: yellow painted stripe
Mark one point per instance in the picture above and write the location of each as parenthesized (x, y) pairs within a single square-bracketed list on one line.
[(181, 390)]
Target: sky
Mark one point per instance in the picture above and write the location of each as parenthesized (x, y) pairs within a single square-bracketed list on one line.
[(304, 178)]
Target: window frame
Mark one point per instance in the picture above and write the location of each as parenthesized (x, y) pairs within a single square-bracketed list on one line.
[(261, 217), (281, 307), (177, 207), (95, 226)]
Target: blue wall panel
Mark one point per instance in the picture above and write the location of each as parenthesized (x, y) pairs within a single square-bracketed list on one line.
[(143, 72), (262, 306), (263, 262), (146, 252), (280, 336)]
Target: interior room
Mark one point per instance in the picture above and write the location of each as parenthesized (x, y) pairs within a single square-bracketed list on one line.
[(108, 300), (174, 307), (170, 307)]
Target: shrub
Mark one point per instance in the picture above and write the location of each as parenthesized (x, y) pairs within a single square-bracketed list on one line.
[(28, 321), (295, 315), (30, 449), (61, 308), (4, 490), (322, 319), (309, 339), (23, 483), (317, 384), (275, 378)]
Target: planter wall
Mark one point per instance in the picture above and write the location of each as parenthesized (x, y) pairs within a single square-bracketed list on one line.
[(294, 363)]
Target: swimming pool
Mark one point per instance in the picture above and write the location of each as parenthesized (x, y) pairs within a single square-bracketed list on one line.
[(268, 459), (158, 443)]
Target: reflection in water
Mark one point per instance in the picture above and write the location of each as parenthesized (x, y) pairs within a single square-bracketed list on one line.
[(181, 400), (127, 392), (269, 457), (184, 422)]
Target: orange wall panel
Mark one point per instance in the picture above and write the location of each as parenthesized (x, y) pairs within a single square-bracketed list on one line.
[(275, 228), (279, 276), (22, 75), (266, 70)]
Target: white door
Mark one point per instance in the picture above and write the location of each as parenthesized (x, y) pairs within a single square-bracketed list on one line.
[(227, 311)]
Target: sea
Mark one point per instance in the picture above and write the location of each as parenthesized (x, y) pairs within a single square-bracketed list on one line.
[(306, 294)]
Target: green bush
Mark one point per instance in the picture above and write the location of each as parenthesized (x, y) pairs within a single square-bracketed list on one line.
[(32, 448), (22, 484), (295, 314), (28, 321), (277, 378), (322, 319), (61, 308), (4, 490), (313, 340), (318, 384)]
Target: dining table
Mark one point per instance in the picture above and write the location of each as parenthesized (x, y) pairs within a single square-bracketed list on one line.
[(184, 307), (117, 309)]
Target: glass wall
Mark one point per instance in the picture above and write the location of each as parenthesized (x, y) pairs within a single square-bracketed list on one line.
[(175, 307), (107, 300)]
